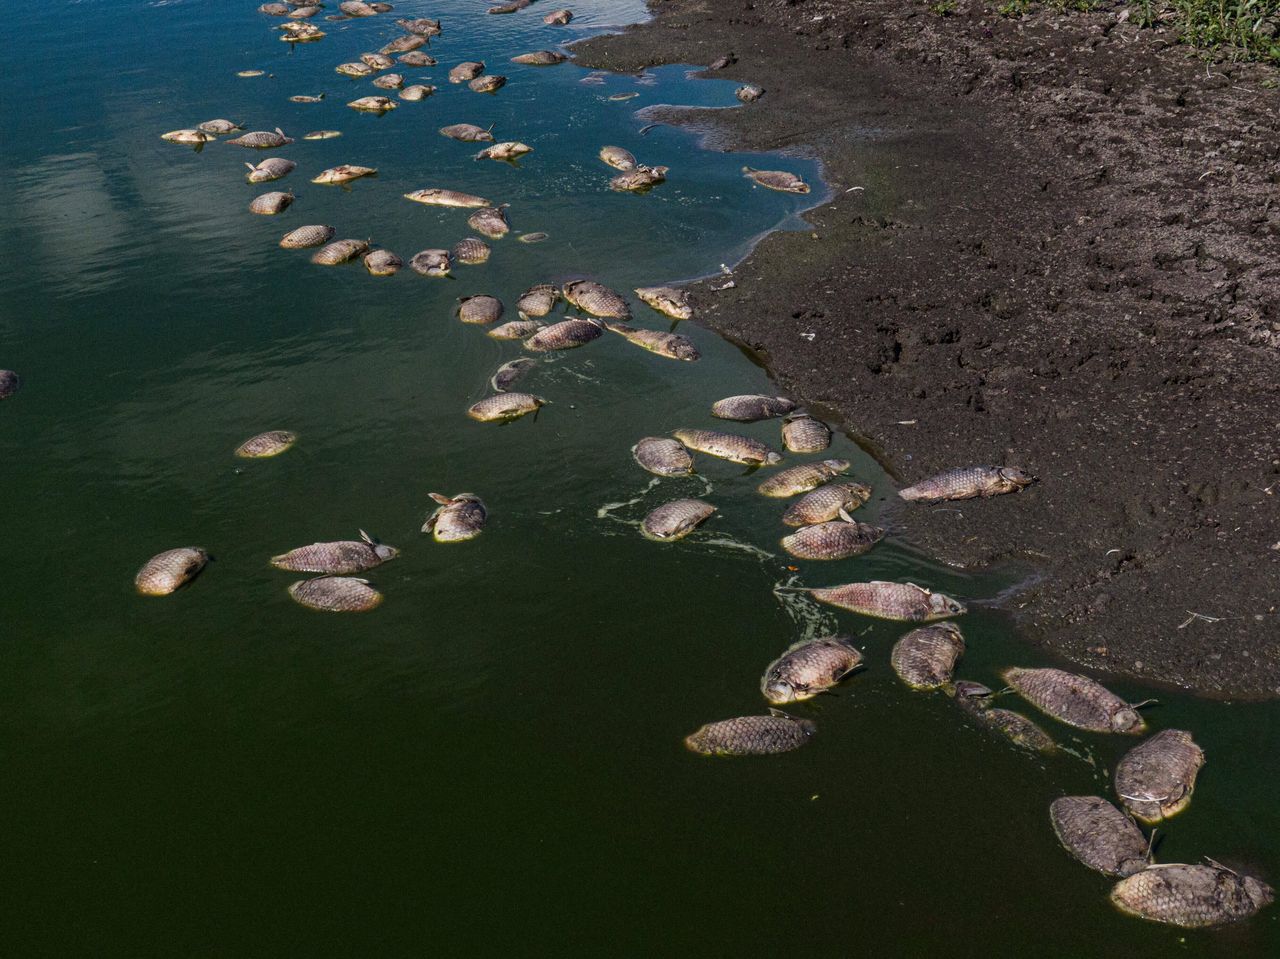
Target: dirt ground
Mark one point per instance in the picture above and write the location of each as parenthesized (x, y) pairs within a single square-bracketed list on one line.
[(1052, 243)]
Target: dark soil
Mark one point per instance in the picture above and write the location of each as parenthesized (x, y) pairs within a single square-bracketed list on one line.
[(1053, 244)]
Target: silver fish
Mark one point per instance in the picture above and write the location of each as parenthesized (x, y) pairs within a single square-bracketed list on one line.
[(322, 135), (1099, 835), (809, 668), (751, 407), (833, 540), (304, 236), (459, 518), (667, 299), (431, 262), (675, 520), (802, 478), (515, 330), (536, 237), (471, 251), (671, 345), (565, 335), (925, 658), (272, 203), (905, 602), (967, 483), (467, 132), (826, 503), (751, 735), (272, 168), (778, 180), (167, 572), (801, 433), (220, 127), (270, 443), (618, 158), (307, 98), (596, 299), (198, 137), (340, 251), (663, 456), (1192, 897), (342, 557), (336, 594), (382, 263), (491, 221), (482, 309), (505, 406), (508, 374), (507, 150), (1075, 700), (1155, 779), (437, 197), (343, 174), (729, 446)]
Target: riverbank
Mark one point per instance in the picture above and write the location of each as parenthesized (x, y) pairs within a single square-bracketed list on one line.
[(1052, 243)]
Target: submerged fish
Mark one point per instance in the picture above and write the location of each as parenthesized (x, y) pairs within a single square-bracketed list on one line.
[(458, 519), (382, 263), (355, 69), (749, 92), (340, 251), (377, 61), (491, 221), (420, 26), (344, 556), (826, 503), (676, 520), (188, 137), (336, 594), (272, 168), (535, 237), (905, 602), (307, 98), (437, 197), (778, 180), (621, 97), (322, 135), (540, 58), (671, 345), (417, 91), (925, 658), (505, 406), (751, 407), (515, 330), (596, 299), (751, 735), (835, 539), (663, 456), (968, 482), (416, 58), (618, 158), (467, 132), (270, 204), (270, 443), (558, 18), (801, 433), (471, 251), (729, 446), (403, 45), (507, 150), (565, 335), (1099, 835), (802, 478), (1155, 779), (389, 81), (1075, 700), (343, 174), (376, 104), (431, 262), (166, 572), (313, 234), (220, 127), (510, 373), (465, 71), (9, 383), (809, 668), (1191, 896), (539, 300), (482, 308), (666, 299), (261, 139), (488, 84), (974, 698), (639, 180)]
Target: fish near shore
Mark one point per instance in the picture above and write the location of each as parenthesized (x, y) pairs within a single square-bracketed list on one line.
[(967, 483), (1155, 779), (1099, 835), (1075, 700), (676, 520), (905, 602), (728, 446), (925, 658)]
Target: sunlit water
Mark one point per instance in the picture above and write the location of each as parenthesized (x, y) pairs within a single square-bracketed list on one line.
[(490, 763)]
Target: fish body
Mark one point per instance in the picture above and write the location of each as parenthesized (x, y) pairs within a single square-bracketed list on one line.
[(262, 139), (482, 309), (826, 503), (618, 158), (515, 330), (809, 668), (272, 203), (340, 558), (344, 173), (671, 345), (779, 180), (300, 32), (751, 736), (536, 237), (416, 58), (925, 658), (1099, 835), (558, 18), (219, 127), (272, 168), (967, 483), (357, 8), (802, 478), (431, 262), (355, 69), (305, 13), (491, 221), (540, 58), (1155, 779), (374, 104), (336, 594), (467, 132), (322, 135), (9, 383), (405, 44), (169, 571), (466, 71), (508, 374), (719, 63), (596, 299), (565, 335), (1019, 730), (436, 197), (1192, 897), (251, 73), (382, 263), (270, 443), (663, 456), (417, 91), (275, 9), (507, 150), (749, 93), (675, 520), (420, 26), (340, 251), (749, 408), (188, 136), (904, 602), (666, 299), (389, 81), (1075, 700), (505, 406), (377, 61), (639, 180), (458, 519), (729, 446), (313, 234), (487, 84), (307, 98), (471, 251), (801, 433), (836, 539)]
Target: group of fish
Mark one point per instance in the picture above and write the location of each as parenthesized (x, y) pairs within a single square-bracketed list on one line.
[(1154, 781)]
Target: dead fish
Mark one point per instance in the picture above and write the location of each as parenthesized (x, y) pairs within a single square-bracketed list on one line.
[(1099, 835), (467, 132), (1155, 779), (639, 180), (751, 735), (1193, 897), (596, 299), (505, 406), (251, 73), (307, 98), (751, 407), (801, 433), (189, 136), (459, 518), (416, 92), (340, 251), (974, 698), (508, 150), (382, 263), (275, 9), (376, 104), (345, 556), (322, 134), (471, 251), (420, 26), (515, 7), (435, 197), (406, 44), (466, 71), (558, 18), (482, 309), (671, 345), (508, 374), (382, 7), (749, 93), (663, 456), (9, 383), (343, 174), (967, 483), (270, 443), (621, 97), (925, 658), (515, 330), (272, 168), (431, 262), (491, 221), (618, 158), (354, 69), (389, 81), (905, 602), (336, 594), (719, 63), (1075, 700), (565, 335), (666, 299), (488, 84), (416, 58), (540, 58), (809, 668), (167, 572), (357, 8), (272, 203), (535, 237), (301, 33), (219, 127), (778, 180), (305, 13), (313, 234), (675, 520), (729, 446), (261, 139), (802, 478), (833, 540), (377, 61), (826, 503)]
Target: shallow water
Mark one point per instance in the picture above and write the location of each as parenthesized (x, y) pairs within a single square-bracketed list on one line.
[(490, 763)]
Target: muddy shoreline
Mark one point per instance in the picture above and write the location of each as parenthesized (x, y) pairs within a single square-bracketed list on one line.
[(1053, 243)]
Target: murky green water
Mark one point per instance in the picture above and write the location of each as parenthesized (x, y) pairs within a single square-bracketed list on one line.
[(490, 763)]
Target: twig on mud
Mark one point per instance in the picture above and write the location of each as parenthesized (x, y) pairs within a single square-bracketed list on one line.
[(1194, 616)]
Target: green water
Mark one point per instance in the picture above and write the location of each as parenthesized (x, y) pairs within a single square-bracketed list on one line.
[(490, 764)]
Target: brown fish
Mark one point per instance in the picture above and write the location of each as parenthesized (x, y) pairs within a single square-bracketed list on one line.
[(272, 168), (471, 251), (565, 335), (1099, 835), (751, 407), (510, 373), (515, 330), (336, 594), (340, 251), (975, 698), (729, 446), (1075, 700), (809, 668), (342, 557), (376, 104), (558, 18), (836, 539), (355, 69), (540, 58), (261, 139), (313, 234), (275, 9), (304, 13), (778, 180), (537, 301), (417, 91), (405, 44), (382, 263), (357, 8), (482, 309), (719, 63), (505, 406), (270, 443), (749, 92), (671, 345), (1193, 897), (431, 262), (300, 32), (420, 26), (377, 61), (801, 433), (220, 127), (618, 158), (9, 383), (437, 197), (389, 81), (663, 456), (802, 478), (488, 84), (826, 503), (675, 520), (1155, 779), (459, 518), (466, 71), (167, 572), (416, 58), (666, 299), (507, 150), (514, 7), (751, 735), (490, 221), (925, 658), (596, 299), (272, 203), (467, 132), (905, 602), (967, 483), (640, 180), (343, 174)]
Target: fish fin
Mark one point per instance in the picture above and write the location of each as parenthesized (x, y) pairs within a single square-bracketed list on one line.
[(780, 714), (250, 165), (1145, 702), (367, 538), (441, 498), (430, 524), (844, 515), (281, 132)]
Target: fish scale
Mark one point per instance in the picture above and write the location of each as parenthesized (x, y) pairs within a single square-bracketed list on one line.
[(270, 443), (340, 251), (751, 407), (729, 446), (565, 335), (883, 600), (272, 203), (596, 299), (966, 483), (804, 434), (343, 556), (834, 540), (272, 168), (505, 406), (482, 309), (471, 251), (336, 594), (382, 263), (515, 330), (1155, 779), (676, 520), (1099, 835), (490, 221), (261, 139), (313, 234), (671, 345), (802, 478), (662, 456), (166, 572), (666, 300), (459, 518), (1075, 700), (925, 658), (751, 736), (825, 503), (808, 668), (1191, 896)]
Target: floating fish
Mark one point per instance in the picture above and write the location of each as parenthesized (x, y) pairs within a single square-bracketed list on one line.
[(382, 263), (403, 45), (640, 180), (376, 104), (663, 456), (505, 406), (261, 139), (169, 571), (967, 483), (466, 71), (1191, 896), (751, 735), (1099, 835), (565, 335), (313, 234), (343, 174), (251, 73), (833, 540), (431, 262), (307, 98), (273, 168), (488, 84), (540, 58), (198, 137), (322, 135), (751, 407), (801, 433), (508, 374), (482, 309), (826, 503), (436, 197), (729, 446), (507, 150), (666, 299), (270, 443), (336, 594), (355, 69), (618, 158), (1075, 700), (596, 299), (416, 92), (420, 26), (342, 557), (467, 132), (340, 251), (9, 383), (802, 478), (676, 520), (416, 58), (537, 301), (778, 180), (558, 18), (272, 203), (515, 330), (459, 518), (535, 237), (220, 127), (905, 602), (491, 221), (809, 668), (671, 345), (389, 81), (471, 251), (377, 61), (1155, 779), (925, 658)]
